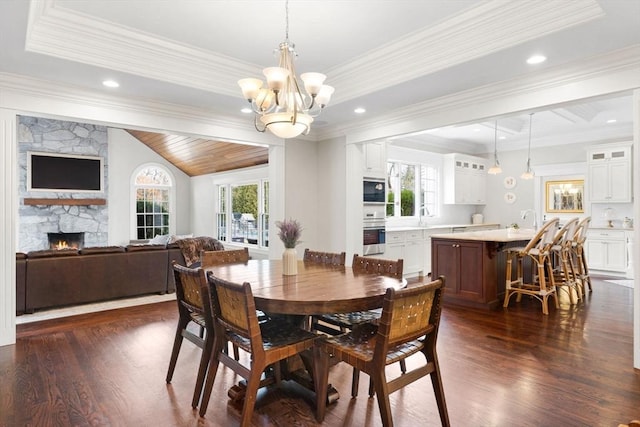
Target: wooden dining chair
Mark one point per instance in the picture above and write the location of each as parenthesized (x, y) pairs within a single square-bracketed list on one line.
[(193, 308), (268, 342), (541, 285), (326, 258), (408, 325), (211, 258), (342, 322)]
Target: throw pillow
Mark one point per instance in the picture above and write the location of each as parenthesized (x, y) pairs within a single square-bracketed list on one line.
[(160, 239)]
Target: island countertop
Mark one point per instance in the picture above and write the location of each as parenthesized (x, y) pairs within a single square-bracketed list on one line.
[(501, 236)]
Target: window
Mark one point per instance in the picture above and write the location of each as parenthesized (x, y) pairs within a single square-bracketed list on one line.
[(412, 190), (153, 188), (243, 213)]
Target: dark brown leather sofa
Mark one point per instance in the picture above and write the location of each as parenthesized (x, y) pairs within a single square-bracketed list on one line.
[(55, 278), (64, 277)]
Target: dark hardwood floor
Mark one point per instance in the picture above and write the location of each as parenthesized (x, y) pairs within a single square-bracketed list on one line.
[(511, 367)]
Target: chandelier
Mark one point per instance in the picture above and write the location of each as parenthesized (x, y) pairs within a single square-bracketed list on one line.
[(282, 107)]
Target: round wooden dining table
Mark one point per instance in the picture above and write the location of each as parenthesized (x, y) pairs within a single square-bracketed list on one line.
[(316, 289)]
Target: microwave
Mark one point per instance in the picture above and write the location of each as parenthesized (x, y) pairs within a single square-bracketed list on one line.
[(374, 190)]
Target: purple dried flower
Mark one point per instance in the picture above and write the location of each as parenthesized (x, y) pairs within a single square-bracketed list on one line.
[(290, 232)]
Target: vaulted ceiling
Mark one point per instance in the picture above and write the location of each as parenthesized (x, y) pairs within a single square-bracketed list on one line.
[(394, 58), (198, 156)]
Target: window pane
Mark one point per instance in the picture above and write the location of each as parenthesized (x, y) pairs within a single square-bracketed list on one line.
[(408, 185), (153, 176), (392, 178), (244, 205)]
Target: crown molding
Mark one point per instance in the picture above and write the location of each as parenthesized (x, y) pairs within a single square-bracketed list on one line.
[(63, 33), (28, 95), (620, 69), (477, 32)]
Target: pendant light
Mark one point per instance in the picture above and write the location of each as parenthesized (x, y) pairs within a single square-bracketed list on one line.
[(495, 169), (528, 173)]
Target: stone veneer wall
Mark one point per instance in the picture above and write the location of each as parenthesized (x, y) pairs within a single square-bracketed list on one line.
[(55, 136)]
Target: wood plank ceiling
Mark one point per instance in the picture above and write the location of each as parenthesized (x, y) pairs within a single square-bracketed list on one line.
[(198, 156)]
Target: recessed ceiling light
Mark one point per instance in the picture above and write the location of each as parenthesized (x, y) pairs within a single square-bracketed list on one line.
[(110, 83), (536, 59), (611, 121), (246, 110), (359, 110), (502, 137), (476, 129)]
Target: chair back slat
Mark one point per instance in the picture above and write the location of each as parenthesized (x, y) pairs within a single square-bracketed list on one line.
[(188, 290), (581, 231), (565, 233), (212, 258), (544, 236), (234, 307), (408, 314), (328, 258), (383, 267)]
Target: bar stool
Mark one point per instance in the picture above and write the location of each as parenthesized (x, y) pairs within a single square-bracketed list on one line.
[(579, 257), (542, 284), (565, 273)]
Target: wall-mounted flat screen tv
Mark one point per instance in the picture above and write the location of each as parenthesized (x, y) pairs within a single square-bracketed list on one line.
[(63, 172)]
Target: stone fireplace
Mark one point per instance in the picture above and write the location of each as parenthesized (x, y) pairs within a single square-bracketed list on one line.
[(65, 240), (44, 212)]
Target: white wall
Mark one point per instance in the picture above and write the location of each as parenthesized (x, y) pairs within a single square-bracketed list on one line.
[(203, 206), (302, 186), (332, 197), (126, 154)]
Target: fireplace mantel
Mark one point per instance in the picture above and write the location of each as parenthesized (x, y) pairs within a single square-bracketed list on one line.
[(69, 202)]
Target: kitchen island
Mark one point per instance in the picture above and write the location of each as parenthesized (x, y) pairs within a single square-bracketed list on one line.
[(473, 264)]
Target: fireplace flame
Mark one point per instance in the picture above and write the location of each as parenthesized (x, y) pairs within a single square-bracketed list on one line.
[(62, 244)]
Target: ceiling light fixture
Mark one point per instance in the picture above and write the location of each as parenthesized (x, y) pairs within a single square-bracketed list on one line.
[(359, 110), (110, 83), (282, 107), (495, 169), (528, 173), (536, 59)]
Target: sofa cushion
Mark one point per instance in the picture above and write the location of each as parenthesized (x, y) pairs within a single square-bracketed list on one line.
[(145, 247), (101, 250), (47, 253)]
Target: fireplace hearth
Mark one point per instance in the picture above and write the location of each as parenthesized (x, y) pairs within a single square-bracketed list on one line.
[(66, 240)]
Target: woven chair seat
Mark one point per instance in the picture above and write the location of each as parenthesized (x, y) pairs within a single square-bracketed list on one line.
[(362, 347), (275, 333), (350, 320)]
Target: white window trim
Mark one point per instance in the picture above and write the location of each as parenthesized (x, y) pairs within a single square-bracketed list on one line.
[(172, 199)]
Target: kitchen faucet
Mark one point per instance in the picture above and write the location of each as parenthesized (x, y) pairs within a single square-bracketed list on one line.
[(524, 214), (422, 212)]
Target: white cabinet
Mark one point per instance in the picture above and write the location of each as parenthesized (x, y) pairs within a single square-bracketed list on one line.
[(610, 173), (607, 250), (375, 159), (465, 179), (408, 245)]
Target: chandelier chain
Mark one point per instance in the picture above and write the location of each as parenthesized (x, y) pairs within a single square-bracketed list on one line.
[(286, 14)]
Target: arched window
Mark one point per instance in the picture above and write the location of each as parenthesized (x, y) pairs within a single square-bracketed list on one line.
[(153, 188)]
